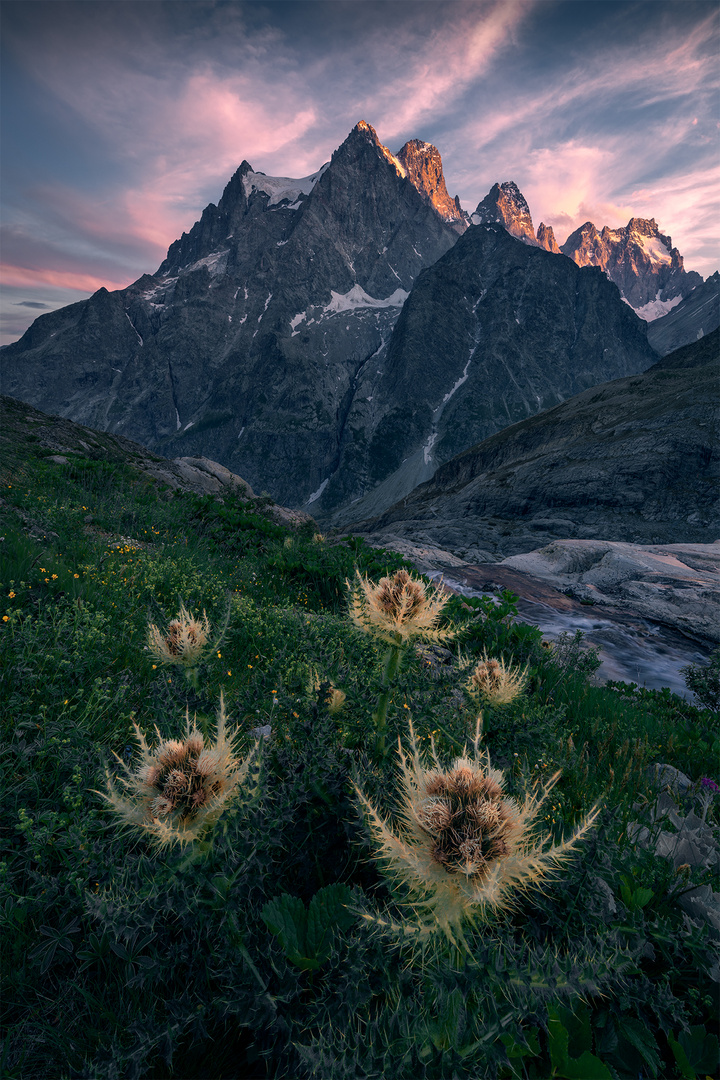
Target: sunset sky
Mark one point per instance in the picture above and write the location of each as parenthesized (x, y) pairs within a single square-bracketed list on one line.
[(122, 120)]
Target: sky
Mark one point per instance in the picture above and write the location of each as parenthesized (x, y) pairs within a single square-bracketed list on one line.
[(122, 120)]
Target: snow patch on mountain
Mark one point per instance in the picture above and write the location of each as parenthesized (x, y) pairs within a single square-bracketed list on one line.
[(657, 308), (215, 263), (281, 188), (316, 494), (393, 161), (654, 249), (358, 298)]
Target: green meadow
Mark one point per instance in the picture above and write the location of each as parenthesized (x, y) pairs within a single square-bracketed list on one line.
[(280, 946)]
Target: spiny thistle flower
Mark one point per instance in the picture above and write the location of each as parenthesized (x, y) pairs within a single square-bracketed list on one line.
[(397, 608), (183, 641), (180, 787), (464, 847), (497, 684)]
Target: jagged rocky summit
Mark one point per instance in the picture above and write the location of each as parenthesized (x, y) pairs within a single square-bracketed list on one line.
[(646, 268), (641, 261), (248, 343), (505, 205)]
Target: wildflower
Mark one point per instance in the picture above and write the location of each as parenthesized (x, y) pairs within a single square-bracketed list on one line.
[(6, 618), (499, 685), (464, 847), (54, 577), (180, 787), (397, 608), (183, 641), (11, 595), (76, 575)]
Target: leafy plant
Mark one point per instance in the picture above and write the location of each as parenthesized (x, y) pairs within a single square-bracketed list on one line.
[(306, 933)]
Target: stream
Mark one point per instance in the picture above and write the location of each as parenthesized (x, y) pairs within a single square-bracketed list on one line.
[(631, 649)]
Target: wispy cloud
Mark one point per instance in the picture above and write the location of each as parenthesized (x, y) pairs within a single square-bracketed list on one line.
[(435, 73)]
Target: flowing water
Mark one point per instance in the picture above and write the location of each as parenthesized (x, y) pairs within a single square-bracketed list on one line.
[(631, 649)]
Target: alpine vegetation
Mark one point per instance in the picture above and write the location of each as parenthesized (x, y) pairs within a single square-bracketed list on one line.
[(464, 848), (496, 683), (179, 788), (396, 610), (182, 643)]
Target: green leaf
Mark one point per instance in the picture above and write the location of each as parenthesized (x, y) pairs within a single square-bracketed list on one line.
[(515, 1049), (328, 912), (639, 1036), (586, 1067), (686, 1069), (577, 1023), (287, 919), (558, 1039), (445, 1031), (700, 1048), (306, 935)]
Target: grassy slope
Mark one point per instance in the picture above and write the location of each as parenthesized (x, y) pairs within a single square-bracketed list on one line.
[(120, 962)]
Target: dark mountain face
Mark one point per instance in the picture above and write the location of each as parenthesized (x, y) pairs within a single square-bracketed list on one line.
[(692, 319), (248, 344), (634, 460), (493, 333)]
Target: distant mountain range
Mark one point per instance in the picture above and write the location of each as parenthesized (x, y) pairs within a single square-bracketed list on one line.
[(334, 339)]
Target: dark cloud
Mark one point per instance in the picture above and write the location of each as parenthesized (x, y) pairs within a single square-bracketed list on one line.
[(31, 303)]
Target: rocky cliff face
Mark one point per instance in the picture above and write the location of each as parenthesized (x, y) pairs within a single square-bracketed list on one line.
[(634, 460), (423, 166), (546, 238), (692, 319), (641, 261), (249, 343), (492, 333), (506, 205)]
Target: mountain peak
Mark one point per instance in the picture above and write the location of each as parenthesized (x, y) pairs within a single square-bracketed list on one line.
[(423, 166), (506, 204), (641, 261)]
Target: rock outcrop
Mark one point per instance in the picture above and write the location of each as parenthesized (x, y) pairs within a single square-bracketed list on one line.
[(505, 205), (674, 584), (423, 166), (23, 429), (546, 238), (635, 460)]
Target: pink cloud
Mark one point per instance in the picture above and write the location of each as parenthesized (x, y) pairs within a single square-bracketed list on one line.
[(21, 276)]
